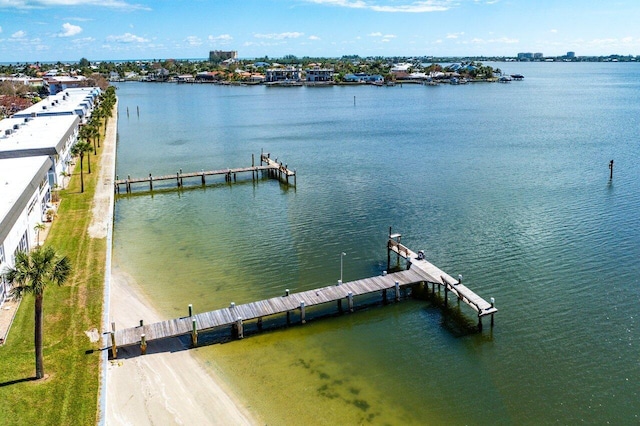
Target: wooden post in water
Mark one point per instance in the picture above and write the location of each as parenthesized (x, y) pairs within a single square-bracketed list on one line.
[(384, 296), (397, 291), (143, 344), (203, 179), (114, 348), (178, 178), (141, 323), (194, 333), (479, 323), (260, 323), (150, 182), (611, 170), (302, 313), (350, 299), (190, 310), (138, 109), (340, 305)]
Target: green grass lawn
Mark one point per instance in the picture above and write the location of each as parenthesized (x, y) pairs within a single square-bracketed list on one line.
[(68, 395)]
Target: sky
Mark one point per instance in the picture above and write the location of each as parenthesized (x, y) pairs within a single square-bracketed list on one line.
[(68, 30)]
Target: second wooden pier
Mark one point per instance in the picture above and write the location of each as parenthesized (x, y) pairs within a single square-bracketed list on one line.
[(273, 168)]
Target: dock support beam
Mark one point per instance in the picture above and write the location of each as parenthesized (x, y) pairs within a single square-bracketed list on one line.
[(302, 313), (260, 323), (397, 291), (350, 297)]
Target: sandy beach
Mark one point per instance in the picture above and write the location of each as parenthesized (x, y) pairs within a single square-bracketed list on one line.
[(168, 385)]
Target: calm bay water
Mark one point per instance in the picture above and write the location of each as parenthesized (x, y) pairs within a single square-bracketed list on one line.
[(506, 184)]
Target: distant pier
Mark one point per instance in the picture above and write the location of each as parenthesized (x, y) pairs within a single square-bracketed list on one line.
[(273, 168), (391, 286)]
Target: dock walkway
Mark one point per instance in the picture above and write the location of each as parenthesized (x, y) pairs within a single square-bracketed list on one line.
[(418, 271)]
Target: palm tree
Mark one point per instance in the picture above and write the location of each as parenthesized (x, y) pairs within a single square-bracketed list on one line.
[(32, 273), (39, 227), (80, 148)]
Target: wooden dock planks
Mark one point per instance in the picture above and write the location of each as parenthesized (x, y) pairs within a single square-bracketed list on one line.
[(263, 308), (433, 274), (419, 271), (276, 170)]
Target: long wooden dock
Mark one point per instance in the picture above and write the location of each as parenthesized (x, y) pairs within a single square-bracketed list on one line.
[(273, 168), (419, 272)]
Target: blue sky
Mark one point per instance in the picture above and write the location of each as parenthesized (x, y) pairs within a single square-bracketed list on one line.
[(51, 30)]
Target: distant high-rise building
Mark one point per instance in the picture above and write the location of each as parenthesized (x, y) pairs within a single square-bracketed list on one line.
[(538, 55), (222, 55), (525, 56), (571, 55)]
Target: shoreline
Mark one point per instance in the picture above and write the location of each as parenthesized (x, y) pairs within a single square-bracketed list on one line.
[(167, 386)]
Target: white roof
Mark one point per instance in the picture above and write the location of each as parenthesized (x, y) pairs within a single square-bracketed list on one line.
[(35, 136), (76, 101), (19, 179)]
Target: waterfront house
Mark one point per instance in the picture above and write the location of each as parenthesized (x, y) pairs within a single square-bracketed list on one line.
[(319, 74), (24, 200), (282, 74), (361, 77)]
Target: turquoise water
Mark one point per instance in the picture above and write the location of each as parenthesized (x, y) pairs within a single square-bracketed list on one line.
[(506, 184)]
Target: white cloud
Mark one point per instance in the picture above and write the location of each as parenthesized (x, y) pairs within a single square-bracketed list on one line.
[(84, 40), (553, 31), (39, 4), (127, 38), (19, 34), (69, 30), (455, 35), (376, 34), (222, 38), (313, 37), (279, 36), (0, 29), (193, 41), (403, 6), (389, 36)]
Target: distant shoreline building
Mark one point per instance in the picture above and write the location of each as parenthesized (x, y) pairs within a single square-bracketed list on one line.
[(222, 55)]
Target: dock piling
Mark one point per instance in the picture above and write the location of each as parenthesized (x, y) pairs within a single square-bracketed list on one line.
[(190, 310), (302, 313), (143, 344), (114, 348), (611, 170), (240, 328), (350, 298), (194, 333), (397, 291)]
